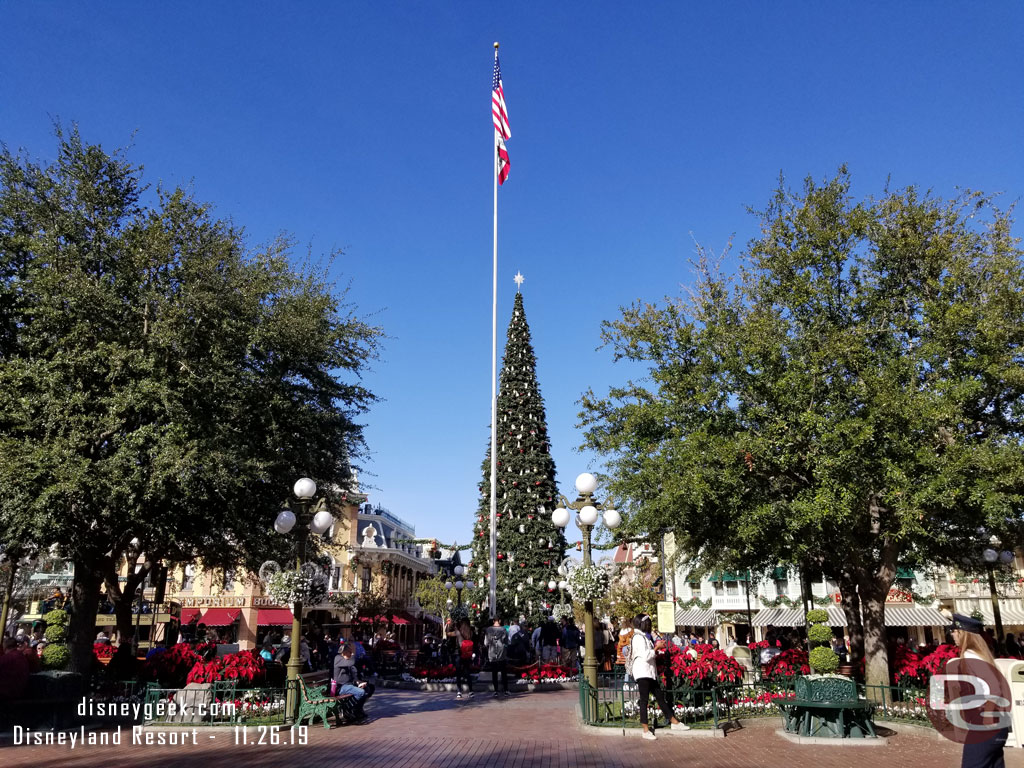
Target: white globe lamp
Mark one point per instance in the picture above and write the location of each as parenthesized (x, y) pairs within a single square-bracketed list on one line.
[(560, 517), (586, 483), (447, 585), (459, 570), (612, 518), (304, 488), (990, 555), (1006, 556), (285, 521), (563, 584), (588, 515), (460, 584), (322, 520)]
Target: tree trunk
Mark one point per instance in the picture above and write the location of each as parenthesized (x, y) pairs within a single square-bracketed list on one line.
[(876, 655), (123, 598), (85, 598)]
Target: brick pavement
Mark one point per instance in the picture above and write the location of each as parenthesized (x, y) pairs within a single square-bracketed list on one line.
[(537, 730)]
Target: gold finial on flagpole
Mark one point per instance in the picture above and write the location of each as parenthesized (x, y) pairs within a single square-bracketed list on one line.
[(495, 45)]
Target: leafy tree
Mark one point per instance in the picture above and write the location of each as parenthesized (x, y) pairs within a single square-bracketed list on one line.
[(161, 386), (529, 546), (432, 595), (849, 402)]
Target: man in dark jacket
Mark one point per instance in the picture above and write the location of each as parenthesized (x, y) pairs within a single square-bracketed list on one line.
[(346, 675), (496, 643)]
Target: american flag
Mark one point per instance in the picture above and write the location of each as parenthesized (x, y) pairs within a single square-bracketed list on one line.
[(501, 129)]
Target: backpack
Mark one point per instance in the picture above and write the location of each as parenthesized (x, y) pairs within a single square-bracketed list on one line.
[(496, 644), (466, 650), (626, 649)]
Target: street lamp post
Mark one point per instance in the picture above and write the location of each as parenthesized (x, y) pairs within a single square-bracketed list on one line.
[(300, 518), (991, 557), (458, 585), (587, 512)]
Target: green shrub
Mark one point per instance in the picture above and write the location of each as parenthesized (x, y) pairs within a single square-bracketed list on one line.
[(55, 633), (819, 633), (56, 656), (817, 616), (56, 616), (823, 660)]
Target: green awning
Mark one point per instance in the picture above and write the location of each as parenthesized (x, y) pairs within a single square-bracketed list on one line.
[(780, 574), (902, 572), (730, 575)]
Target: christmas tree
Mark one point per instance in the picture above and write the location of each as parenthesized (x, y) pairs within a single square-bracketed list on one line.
[(530, 548)]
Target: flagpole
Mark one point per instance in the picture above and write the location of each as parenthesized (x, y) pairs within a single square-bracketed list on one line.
[(493, 580)]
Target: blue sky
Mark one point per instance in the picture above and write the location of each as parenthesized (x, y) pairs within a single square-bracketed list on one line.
[(636, 128)]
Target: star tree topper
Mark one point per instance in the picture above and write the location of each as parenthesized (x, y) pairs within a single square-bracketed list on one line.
[(518, 279)]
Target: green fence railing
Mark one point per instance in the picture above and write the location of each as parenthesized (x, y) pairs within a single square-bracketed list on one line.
[(615, 703), (223, 703)]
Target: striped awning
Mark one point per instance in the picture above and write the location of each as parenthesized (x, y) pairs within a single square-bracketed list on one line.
[(1011, 613), (794, 617), (696, 617), (913, 616)]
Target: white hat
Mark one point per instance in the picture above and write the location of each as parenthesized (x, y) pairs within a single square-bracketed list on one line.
[(286, 639)]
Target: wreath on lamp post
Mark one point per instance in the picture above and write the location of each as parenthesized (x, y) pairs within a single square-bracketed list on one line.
[(302, 586), (589, 582), (562, 611)]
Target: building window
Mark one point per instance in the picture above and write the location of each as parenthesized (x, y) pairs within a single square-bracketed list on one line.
[(781, 587), (731, 588), (365, 581), (335, 579), (719, 591), (190, 578), (229, 580)]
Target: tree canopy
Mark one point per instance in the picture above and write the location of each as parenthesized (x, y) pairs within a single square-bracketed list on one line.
[(849, 400), (162, 384)]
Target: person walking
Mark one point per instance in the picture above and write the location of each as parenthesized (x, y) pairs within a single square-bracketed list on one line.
[(975, 655), (496, 643), (465, 660), (642, 661)]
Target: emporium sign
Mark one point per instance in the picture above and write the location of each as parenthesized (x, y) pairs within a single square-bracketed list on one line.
[(227, 601)]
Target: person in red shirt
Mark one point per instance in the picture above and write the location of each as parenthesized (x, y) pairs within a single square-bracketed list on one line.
[(14, 671)]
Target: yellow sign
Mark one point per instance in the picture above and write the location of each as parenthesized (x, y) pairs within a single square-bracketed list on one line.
[(666, 616)]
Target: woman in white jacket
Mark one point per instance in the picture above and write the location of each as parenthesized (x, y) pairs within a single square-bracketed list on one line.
[(644, 671)]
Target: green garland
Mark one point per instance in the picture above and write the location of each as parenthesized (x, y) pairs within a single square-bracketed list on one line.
[(435, 543), (920, 599), (693, 601), (780, 600)]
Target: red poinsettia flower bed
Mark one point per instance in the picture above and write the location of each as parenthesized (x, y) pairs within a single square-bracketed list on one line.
[(546, 673), (906, 667), (171, 667), (245, 667), (786, 666), (699, 666), (434, 673)]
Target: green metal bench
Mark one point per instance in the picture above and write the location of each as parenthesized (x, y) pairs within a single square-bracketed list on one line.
[(827, 706), (314, 701)]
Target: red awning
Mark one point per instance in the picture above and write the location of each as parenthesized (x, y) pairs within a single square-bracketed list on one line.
[(396, 619), (187, 614), (274, 617), (220, 617)]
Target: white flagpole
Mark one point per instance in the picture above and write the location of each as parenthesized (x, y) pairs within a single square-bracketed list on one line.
[(493, 592)]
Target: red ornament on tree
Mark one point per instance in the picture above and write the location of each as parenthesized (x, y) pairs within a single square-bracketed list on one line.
[(522, 565)]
